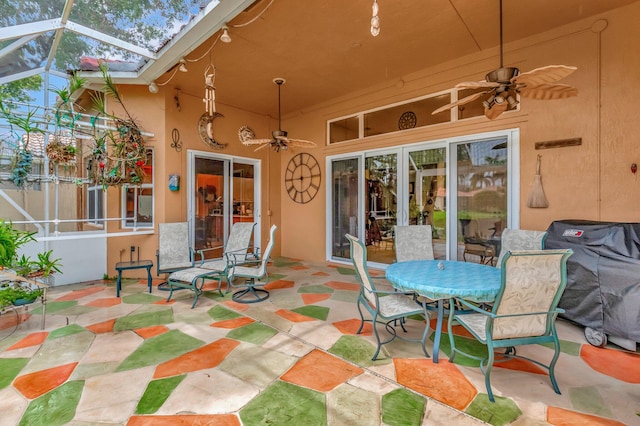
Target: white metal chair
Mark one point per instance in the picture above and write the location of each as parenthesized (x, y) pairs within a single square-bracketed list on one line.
[(413, 242), (524, 312), (174, 250), (193, 278), (384, 306), (252, 272)]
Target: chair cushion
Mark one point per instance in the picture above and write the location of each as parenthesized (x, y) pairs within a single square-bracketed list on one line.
[(398, 305), (476, 323), (190, 274), (215, 264), (248, 271)]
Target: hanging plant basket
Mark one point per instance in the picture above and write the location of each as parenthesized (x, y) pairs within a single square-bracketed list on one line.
[(125, 161), (61, 153)]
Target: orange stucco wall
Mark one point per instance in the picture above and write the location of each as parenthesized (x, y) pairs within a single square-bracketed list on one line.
[(590, 181)]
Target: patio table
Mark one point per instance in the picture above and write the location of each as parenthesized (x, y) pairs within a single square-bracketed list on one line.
[(469, 281), (125, 266)]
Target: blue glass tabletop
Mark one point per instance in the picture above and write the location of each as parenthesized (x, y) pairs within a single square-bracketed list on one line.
[(472, 281)]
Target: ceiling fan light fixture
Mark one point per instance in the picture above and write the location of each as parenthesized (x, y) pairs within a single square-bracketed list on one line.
[(225, 37), (502, 75), (512, 102)]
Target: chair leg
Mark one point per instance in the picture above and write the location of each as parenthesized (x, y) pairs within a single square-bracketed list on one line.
[(361, 318), (375, 332), (487, 372), (552, 364), (258, 294), (424, 336)]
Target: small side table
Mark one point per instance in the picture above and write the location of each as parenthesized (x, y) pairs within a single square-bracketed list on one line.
[(139, 264)]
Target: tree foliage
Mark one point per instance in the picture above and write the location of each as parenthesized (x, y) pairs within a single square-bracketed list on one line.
[(18, 91), (147, 23)]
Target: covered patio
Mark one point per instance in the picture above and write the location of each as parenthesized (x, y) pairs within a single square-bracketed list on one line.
[(204, 91), (294, 359)]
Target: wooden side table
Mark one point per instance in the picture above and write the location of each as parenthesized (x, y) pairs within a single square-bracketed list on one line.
[(136, 264)]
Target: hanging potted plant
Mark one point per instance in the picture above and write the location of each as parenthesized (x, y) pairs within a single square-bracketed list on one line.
[(119, 154), (62, 149), (23, 158)]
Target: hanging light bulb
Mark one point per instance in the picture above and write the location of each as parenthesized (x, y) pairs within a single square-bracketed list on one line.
[(375, 21), (225, 37), (153, 87), (183, 66)]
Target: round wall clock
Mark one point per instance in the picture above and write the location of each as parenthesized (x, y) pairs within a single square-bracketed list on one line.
[(205, 130), (302, 178), (408, 120)]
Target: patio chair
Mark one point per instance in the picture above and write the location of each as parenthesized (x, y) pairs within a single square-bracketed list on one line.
[(413, 242), (385, 307), (520, 239), (252, 271), (477, 235), (193, 278), (524, 311), (174, 251)]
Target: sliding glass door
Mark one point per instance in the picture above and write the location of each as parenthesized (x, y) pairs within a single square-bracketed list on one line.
[(371, 192), (481, 198), (427, 194), (222, 191)]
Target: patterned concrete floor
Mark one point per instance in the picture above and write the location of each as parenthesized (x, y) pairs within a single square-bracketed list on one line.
[(293, 359)]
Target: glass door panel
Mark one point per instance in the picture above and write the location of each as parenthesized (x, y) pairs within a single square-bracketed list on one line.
[(481, 198), (344, 202), (243, 193), (209, 208), (427, 192), (381, 204)]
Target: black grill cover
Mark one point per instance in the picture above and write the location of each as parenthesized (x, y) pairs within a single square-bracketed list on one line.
[(603, 274)]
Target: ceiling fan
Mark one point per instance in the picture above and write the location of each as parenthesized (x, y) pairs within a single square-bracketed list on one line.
[(280, 139), (503, 84)]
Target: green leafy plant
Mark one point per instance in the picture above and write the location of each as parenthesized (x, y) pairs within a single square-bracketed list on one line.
[(45, 265), (11, 240), (24, 266), (18, 294), (23, 159)]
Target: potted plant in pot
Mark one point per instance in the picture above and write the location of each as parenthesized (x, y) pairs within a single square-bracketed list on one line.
[(11, 240), (14, 291)]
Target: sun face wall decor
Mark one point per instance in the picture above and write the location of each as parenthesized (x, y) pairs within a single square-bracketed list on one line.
[(302, 178)]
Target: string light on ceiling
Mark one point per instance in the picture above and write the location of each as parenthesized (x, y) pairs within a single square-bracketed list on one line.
[(223, 36), (375, 21)]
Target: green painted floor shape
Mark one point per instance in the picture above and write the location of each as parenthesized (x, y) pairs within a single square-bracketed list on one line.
[(159, 349)]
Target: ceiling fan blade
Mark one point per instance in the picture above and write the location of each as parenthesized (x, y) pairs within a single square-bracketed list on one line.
[(250, 142), (462, 101), (264, 145), (542, 75), (548, 91), (475, 84), (495, 110), (301, 143)]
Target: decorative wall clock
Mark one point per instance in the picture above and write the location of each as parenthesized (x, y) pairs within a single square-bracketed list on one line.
[(408, 120), (205, 130), (302, 178)]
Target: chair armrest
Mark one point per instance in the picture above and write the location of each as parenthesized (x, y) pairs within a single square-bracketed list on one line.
[(200, 252), (473, 307), (240, 257)]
